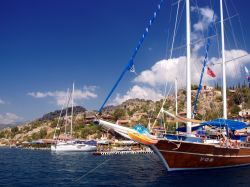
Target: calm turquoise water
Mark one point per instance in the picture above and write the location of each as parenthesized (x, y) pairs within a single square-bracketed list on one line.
[(19, 167)]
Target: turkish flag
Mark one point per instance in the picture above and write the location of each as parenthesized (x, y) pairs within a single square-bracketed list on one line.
[(248, 78), (210, 72)]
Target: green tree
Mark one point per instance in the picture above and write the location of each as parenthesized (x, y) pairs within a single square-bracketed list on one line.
[(235, 110), (90, 130), (35, 136), (119, 113), (14, 130), (53, 123), (26, 128), (2, 134), (42, 133), (194, 87)]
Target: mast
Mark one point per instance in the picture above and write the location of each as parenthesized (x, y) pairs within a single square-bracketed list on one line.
[(66, 115), (176, 102), (224, 86), (71, 125), (188, 73)]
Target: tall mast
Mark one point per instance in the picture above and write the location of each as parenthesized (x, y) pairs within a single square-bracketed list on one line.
[(66, 115), (224, 86), (73, 89), (176, 101), (188, 67)]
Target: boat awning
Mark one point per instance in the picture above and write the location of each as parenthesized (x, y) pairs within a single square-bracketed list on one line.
[(231, 124)]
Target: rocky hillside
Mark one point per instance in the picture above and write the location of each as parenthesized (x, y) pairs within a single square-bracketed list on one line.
[(209, 105), (132, 106), (133, 110), (52, 115), (44, 127)]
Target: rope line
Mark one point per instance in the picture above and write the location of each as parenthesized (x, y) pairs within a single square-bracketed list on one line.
[(171, 53), (204, 65), (92, 170), (130, 65)]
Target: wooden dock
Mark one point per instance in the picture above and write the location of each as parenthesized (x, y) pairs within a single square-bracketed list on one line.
[(121, 152)]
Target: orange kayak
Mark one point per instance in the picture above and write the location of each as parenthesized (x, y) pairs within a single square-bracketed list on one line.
[(141, 138)]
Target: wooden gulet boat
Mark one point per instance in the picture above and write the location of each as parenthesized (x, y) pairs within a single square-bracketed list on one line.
[(184, 154)]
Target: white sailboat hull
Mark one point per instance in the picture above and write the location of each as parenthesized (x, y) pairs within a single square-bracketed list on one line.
[(72, 147)]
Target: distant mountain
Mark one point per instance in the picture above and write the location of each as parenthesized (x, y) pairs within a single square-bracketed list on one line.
[(56, 114), (43, 127), (2, 126)]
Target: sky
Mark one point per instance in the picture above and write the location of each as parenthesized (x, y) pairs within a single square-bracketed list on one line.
[(46, 45)]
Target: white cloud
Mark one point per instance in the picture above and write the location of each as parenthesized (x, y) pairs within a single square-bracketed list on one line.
[(200, 27), (59, 96), (234, 68), (2, 102), (138, 92), (90, 88), (39, 94), (206, 18), (148, 83), (9, 118), (166, 71)]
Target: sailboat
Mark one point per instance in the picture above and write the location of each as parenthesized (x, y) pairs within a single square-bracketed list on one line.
[(67, 143), (186, 152)]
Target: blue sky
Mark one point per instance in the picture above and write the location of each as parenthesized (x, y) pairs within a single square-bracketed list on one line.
[(47, 44)]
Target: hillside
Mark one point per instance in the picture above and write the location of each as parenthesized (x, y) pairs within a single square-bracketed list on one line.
[(3, 126), (52, 115), (44, 127), (131, 112)]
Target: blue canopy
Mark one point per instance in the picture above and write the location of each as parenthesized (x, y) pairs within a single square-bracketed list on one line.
[(228, 123)]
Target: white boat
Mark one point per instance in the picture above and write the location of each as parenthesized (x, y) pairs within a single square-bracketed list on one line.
[(73, 146), (68, 144)]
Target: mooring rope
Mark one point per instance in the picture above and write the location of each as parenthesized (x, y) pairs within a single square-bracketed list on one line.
[(92, 170)]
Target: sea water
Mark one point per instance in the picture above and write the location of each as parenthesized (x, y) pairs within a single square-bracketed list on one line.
[(26, 168)]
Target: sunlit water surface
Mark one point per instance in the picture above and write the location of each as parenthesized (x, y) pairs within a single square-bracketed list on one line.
[(21, 167)]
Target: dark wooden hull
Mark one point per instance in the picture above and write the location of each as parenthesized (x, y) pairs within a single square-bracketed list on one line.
[(180, 155)]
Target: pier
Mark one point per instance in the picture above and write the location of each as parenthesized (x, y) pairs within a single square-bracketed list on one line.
[(122, 152)]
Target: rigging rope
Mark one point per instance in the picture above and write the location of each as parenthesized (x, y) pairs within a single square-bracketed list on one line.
[(170, 57), (92, 170), (64, 122), (163, 103), (130, 65), (60, 116), (168, 35), (230, 22), (204, 64), (175, 25)]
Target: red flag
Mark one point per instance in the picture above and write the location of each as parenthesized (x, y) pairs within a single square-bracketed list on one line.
[(210, 72), (248, 78)]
